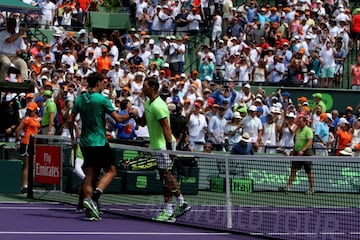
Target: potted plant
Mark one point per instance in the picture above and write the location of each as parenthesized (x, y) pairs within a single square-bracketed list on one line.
[(110, 6)]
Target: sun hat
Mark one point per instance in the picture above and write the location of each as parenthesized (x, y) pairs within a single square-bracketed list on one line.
[(346, 151), (245, 137)]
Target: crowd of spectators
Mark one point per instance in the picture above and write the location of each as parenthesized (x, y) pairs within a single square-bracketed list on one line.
[(295, 43)]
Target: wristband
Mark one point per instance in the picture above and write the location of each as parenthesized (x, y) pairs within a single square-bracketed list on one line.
[(169, 146)]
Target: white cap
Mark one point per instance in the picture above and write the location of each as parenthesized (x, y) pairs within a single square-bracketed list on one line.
[(151, 41), (95, 40), (10, 96), (278, 105), (290, 115), (247, 86), (116, 63), (200, 99), (275, 110), (253, 108), (81, 31), (236, 115), (121, 59), (157, 51), (329, 116), (166, 65), (208, 78), (183, 75), (343, 120)]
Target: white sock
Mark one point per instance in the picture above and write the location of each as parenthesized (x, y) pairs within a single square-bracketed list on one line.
[(169, 208), (180, 200)]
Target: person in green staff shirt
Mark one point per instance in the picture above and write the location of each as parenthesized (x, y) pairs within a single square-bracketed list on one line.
[(318, 101), (49, 114), (302, 147)]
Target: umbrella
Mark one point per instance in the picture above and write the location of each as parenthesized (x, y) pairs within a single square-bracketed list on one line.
[(18, 6)]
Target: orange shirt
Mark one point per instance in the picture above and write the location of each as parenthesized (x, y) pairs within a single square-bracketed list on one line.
[(31, 127), (103, 63), (84, 4), (344, 138)]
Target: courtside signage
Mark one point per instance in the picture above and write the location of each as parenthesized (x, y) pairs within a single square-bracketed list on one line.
[(47, 164)]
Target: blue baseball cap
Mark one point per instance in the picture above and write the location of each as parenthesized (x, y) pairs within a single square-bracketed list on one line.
[(286, 94), (176, 99), (40, 99)]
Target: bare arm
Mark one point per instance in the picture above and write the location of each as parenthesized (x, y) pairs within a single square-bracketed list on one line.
[(15, 36), (18, 130), (167, 130), (308, 145), (119, 117), (51, 122)]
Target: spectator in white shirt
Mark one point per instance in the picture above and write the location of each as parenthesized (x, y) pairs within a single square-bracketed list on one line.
[(11, 44)]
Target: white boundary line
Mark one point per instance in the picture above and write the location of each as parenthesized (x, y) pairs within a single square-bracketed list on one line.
[(194, 210), (114, 233)]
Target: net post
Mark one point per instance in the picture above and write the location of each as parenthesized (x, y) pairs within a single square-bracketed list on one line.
[(228, 195), (30, 193)]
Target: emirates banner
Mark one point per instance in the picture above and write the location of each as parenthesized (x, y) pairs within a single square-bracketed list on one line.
[(47, 164)]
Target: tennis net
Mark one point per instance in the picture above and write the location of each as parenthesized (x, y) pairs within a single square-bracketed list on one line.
[(227, 192)]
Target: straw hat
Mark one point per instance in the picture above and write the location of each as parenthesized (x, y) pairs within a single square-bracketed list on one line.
[(346, 152), (245, 137)]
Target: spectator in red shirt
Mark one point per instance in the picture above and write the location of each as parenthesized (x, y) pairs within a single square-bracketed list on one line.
[(355, 29)]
